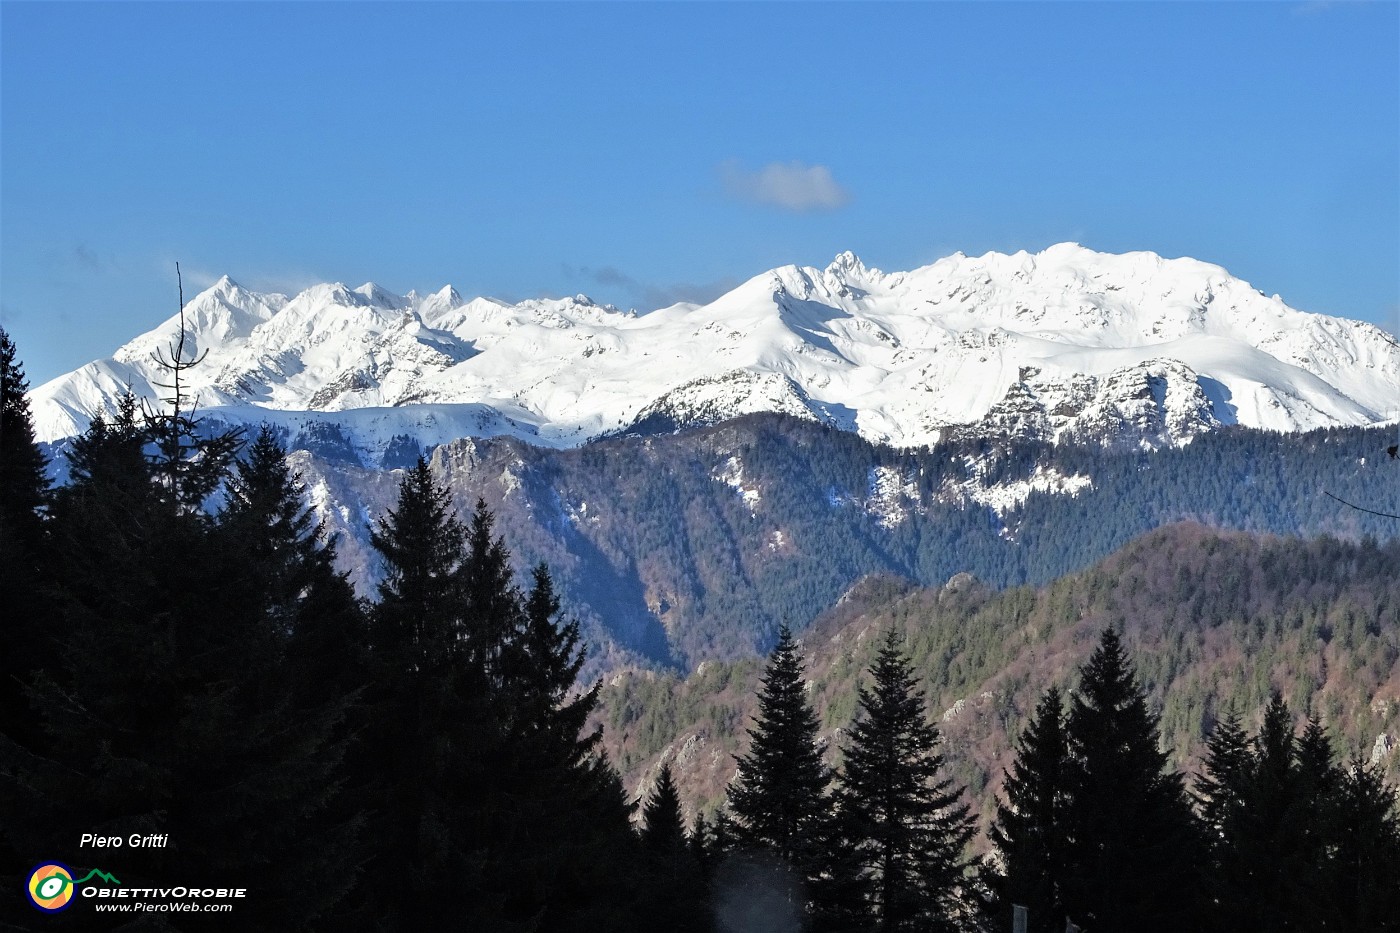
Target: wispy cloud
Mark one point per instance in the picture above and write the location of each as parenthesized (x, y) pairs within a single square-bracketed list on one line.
[(609, 275), (192, 276), (69, 269), (281, 283), (80, 258), (86, 256), (663, 296), (792, 186), (198, 278), (649, 296), (1392, 319)]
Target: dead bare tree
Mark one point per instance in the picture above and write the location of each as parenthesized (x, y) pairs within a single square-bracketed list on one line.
[(189, 464)]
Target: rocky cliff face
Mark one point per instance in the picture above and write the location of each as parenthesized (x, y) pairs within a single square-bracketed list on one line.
[(1149, 405)]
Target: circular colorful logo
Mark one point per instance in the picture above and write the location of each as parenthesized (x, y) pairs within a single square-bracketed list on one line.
[(51, 887)]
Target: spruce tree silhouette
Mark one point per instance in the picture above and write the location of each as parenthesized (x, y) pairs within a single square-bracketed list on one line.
[(779, 796), (906, 820), (674, 892), (24, 498), (1131, 842), (1029, 831), (1219, 793), (431, 742)]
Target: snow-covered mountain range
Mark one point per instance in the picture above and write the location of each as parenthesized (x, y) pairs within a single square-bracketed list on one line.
[(1069, 343)]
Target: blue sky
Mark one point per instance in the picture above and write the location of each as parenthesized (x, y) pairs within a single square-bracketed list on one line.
[(642, 153)]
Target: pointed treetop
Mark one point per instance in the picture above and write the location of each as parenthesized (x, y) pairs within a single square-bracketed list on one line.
[(1108, 679), (779, 795), (663, 826), (23, 479), (421, 544), (1218, 790), (906, 820), (1029, 831)]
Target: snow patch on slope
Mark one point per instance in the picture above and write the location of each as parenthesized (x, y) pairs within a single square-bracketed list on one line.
[(731, 474), (1009, 496), (890, 496)]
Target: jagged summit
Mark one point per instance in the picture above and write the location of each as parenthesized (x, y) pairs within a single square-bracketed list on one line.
[(848, 264), (379, 297), (1067, 343)]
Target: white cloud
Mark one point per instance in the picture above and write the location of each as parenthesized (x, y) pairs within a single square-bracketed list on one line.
[(791, 186), (282, 282), (192, 276), (650, 295)]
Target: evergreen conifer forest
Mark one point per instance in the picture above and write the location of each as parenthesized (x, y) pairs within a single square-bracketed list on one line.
[(1173, 739), (673, 550)]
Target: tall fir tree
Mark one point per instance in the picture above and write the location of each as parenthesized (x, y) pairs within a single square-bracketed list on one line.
[(674, 894), (539, 666), (489, 782), (1029, 832), (779, 796), (564, 843), (27, 632), (1276, 885), (663, 824), (1360, 889), (1218, 788), (24, 496), (1318, 781), (306, 615), (169, 713), (905, 819), (1131, 841), (418, 619), (1219, 793), (430, 741), (311, 606), (24, 484), (492, 608)]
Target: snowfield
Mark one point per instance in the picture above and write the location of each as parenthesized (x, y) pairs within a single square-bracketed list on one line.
[(1127, 349)]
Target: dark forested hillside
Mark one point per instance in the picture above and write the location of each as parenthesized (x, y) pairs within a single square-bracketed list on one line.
[(683, 548), (1215, 621)]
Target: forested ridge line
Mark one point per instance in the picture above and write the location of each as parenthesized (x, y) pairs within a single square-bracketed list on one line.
[(677, 549), (1216, 621)]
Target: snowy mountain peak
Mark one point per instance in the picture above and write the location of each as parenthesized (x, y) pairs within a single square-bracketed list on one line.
[(379, 297), (441, 302), (228, 292), (1068, 343), (447, 295), (328, 293), (848, 265)]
